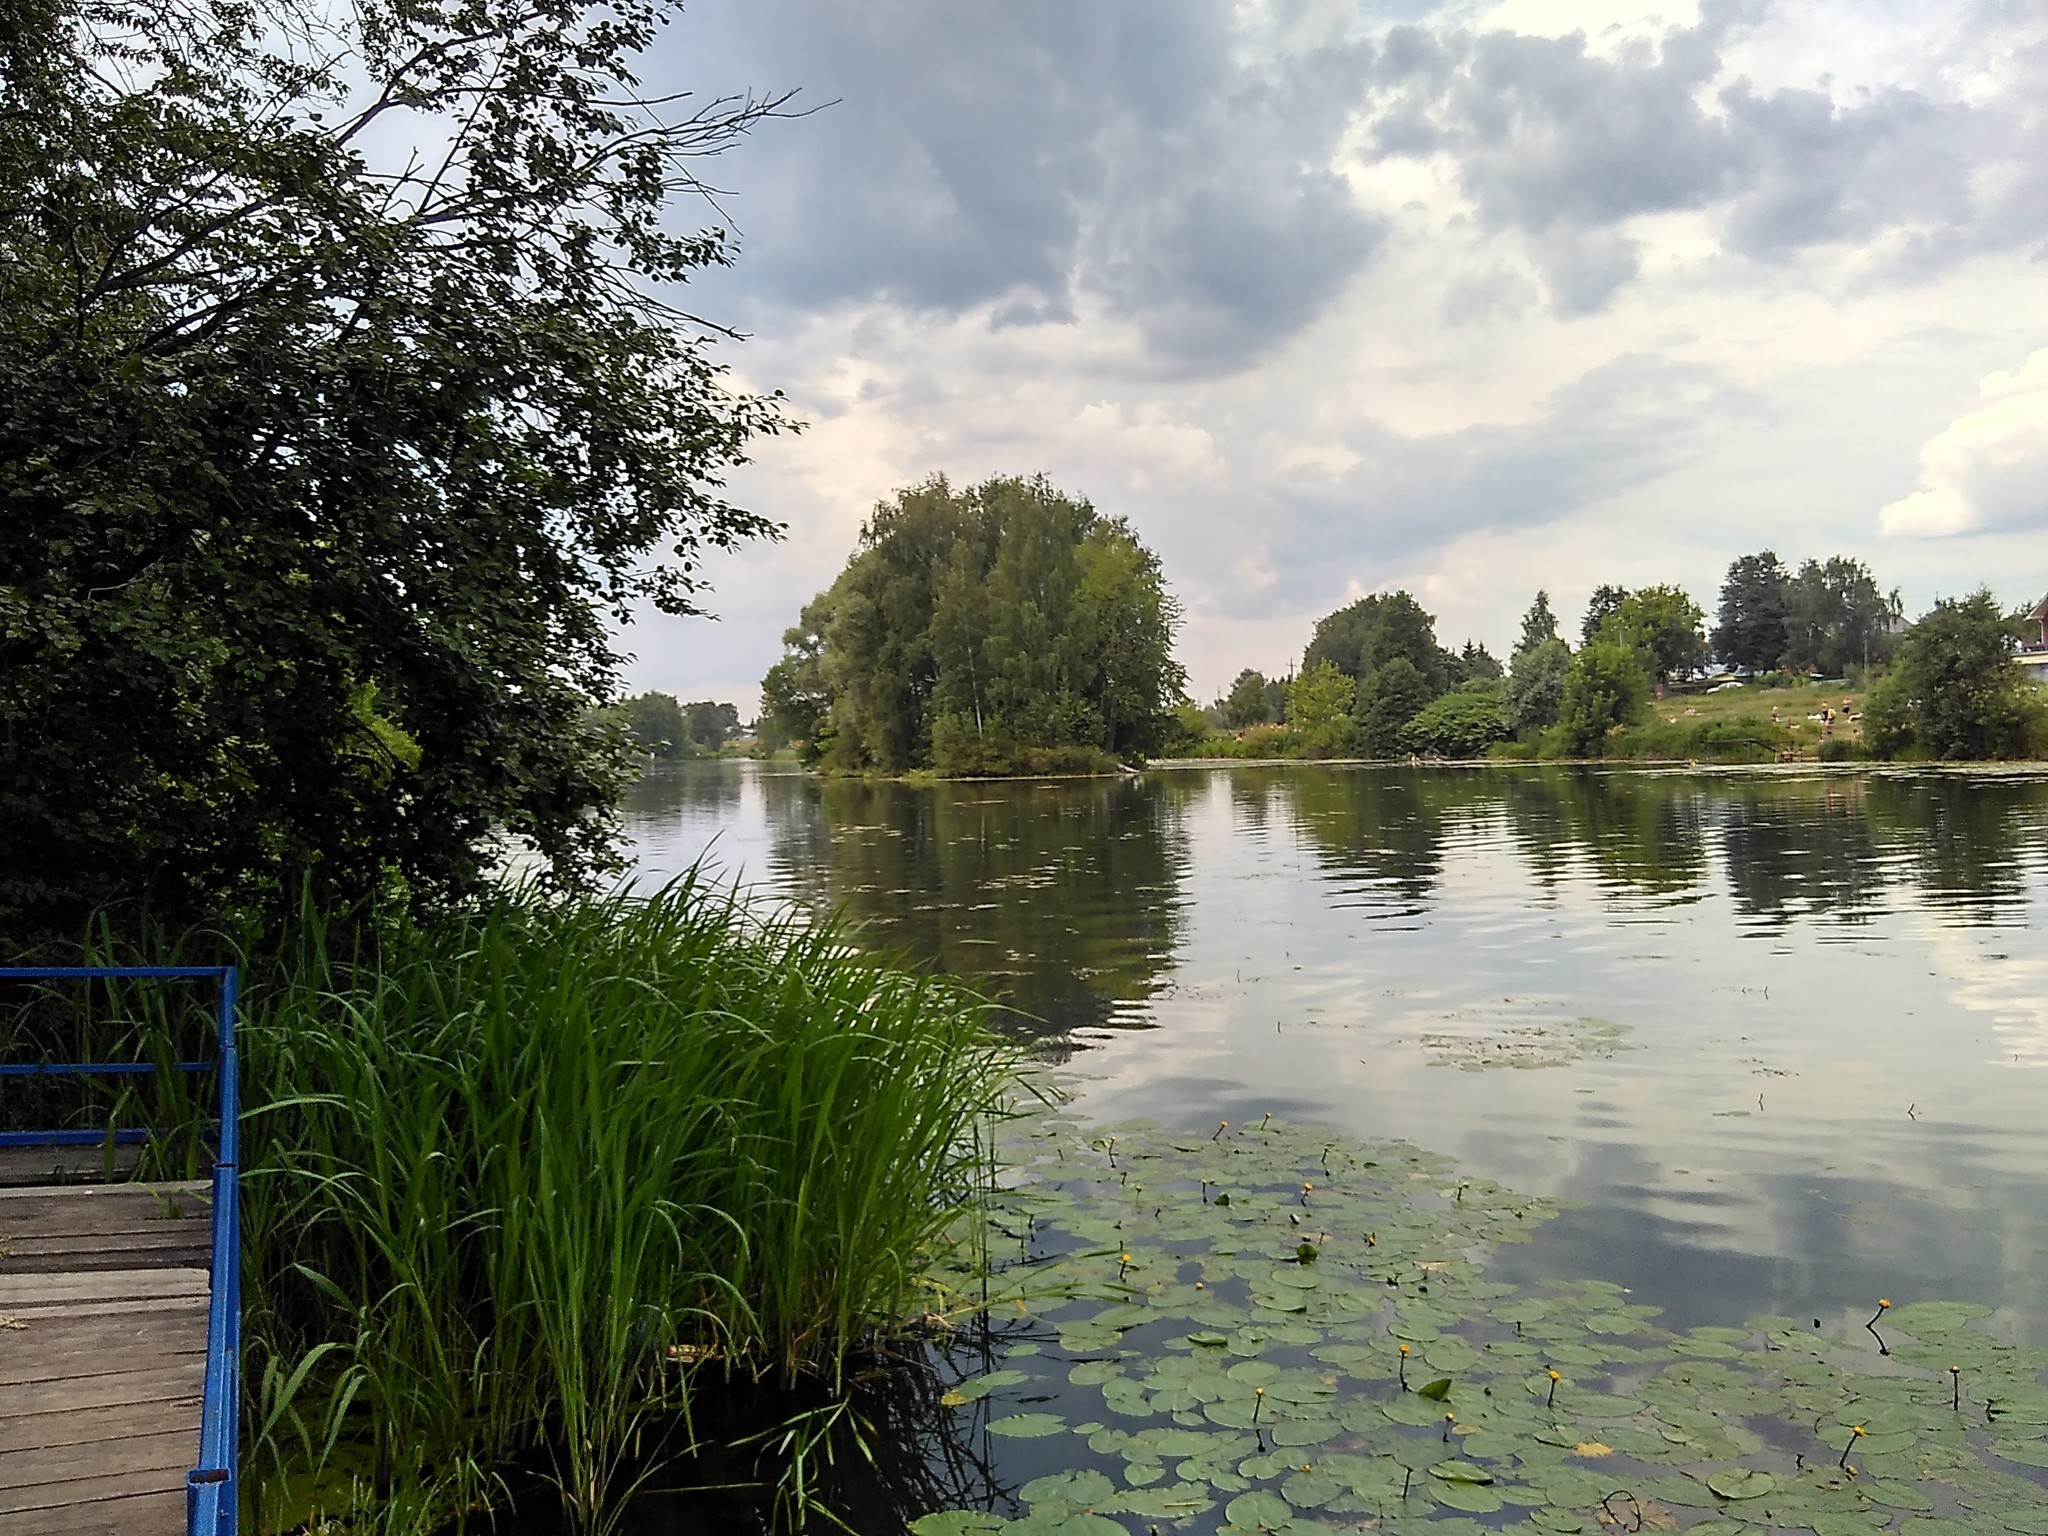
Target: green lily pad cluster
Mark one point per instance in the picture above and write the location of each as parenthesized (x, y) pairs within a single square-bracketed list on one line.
[(1269, 1328)]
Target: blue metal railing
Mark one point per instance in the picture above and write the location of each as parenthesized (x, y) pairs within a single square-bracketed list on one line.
[(212, 1490)]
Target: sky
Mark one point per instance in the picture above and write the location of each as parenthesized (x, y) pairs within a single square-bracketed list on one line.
[(1330, 299)]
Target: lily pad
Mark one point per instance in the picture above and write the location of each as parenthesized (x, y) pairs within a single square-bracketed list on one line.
[(1470, 1497), (1460, 1472), (980, 1386), (1258, 1511), (1742, 1483), (957, 1522), (1027, 1426)]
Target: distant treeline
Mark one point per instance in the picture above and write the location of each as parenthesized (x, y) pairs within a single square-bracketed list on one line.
[(654, 723), (1374, 681), (1002, 628), (1010, 628)]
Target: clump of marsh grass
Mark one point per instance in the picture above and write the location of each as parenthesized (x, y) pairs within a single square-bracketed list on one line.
[(535, 1177)]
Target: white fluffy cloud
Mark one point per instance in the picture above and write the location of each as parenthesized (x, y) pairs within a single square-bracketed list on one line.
[(1986, 471), (1329, 298)]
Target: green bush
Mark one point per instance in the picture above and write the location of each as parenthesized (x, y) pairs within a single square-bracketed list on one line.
[(1456, 725), (1319, 711), (1953, 692), (1606, 688)]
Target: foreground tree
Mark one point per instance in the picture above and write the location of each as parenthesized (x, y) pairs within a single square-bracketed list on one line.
[(1600, 607), (1749, 629), (1389, 699), (1607, 686), (1249, 702), (1534, 691), (1538, 624), (1664, 625), (1836, 618), (1371, 632), (1953, 691), (1002, 628), (1319, 704), (323, 478)]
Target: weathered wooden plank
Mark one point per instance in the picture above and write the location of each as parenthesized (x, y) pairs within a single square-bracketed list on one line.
[(82, 1426), (110, 1389), (44, 1497), (99, 1285), (105, 1287), (140, 1514), (119, 1334), (65, 1165), (72, 1195), (28, 1369), (103, 1251), (92, 1462), (138, 1212), (82, 1309)]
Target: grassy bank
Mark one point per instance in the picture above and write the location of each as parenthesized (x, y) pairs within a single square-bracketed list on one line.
[(536, 1187), (1751, 724)]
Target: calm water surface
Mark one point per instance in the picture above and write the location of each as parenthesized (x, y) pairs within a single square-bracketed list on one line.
[(1781, 1037)]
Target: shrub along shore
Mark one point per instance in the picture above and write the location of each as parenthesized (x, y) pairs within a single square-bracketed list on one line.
[(536, 1187)]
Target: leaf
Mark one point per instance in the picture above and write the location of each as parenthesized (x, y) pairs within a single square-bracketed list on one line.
[(1470, 1497), (1741, 1483), (1590, 1448), (1258, 1511), (1898, 1495), (1460, 1472), (980, 1386), (957, 1522), (1084, 1487), (1435, 1391), (1027, 1426)]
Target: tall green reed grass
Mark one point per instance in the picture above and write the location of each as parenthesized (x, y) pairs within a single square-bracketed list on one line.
[(525, 1183)]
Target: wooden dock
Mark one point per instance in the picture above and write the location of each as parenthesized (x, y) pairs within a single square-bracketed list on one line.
[(103, 1305)]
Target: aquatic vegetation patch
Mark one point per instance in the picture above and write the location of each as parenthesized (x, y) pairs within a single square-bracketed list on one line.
[(1269, 1328), (1479, 1044)]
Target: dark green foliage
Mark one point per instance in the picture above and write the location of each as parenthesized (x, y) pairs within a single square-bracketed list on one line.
[(1602, 605), (1455, 725), (1250, 701), (1003, 628), (1366, 635), (1953, 692), (321, 484), (1836, 618), (1534, 691), (1538, 624), (649, 722), (654, 723), (1663, 625), (795, 702), (1392, 696), (1607, 686), (710, 724), (1750, 629), (1478, 664)]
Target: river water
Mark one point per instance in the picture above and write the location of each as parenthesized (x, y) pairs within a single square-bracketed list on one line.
[(1779, 1037)]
